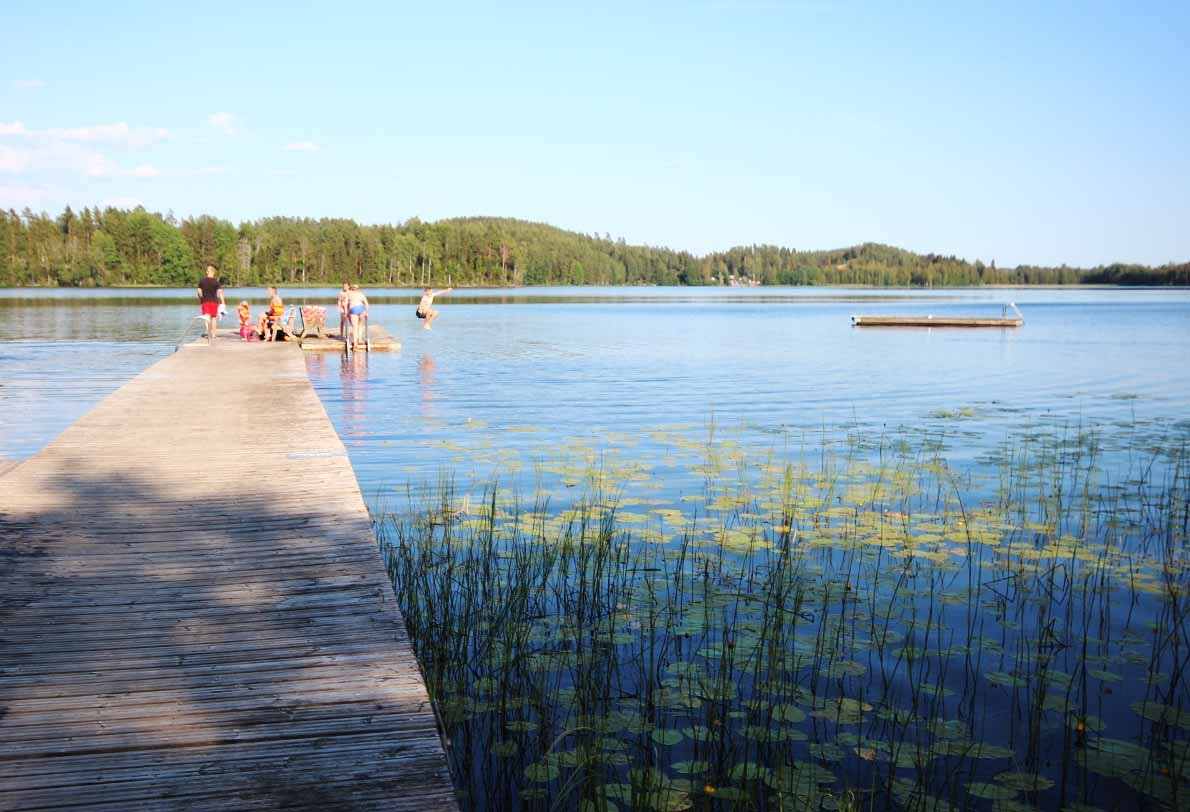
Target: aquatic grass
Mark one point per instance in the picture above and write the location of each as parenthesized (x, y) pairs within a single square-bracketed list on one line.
[(817, 626)]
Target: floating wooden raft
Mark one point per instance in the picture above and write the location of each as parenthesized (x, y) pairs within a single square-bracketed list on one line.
[(941, 321)]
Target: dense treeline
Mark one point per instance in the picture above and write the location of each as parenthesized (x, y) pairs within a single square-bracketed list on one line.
[(116, 247)]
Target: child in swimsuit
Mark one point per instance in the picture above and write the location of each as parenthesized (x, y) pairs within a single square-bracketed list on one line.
[(245, 314), (344, 292), (425, 308), (357, 311)]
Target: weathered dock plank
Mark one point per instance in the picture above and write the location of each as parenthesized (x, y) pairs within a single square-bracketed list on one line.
[(194, 612), (379, 339), (331, 340)]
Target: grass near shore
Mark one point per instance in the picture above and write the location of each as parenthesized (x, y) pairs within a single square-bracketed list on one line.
[(871, 629)]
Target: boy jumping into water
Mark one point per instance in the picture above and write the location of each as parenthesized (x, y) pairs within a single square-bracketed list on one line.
[(425, 308)]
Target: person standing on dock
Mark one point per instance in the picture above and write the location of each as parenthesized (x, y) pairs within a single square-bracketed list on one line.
[(425, 308), (210, 297), (357, 311), (344, 293)]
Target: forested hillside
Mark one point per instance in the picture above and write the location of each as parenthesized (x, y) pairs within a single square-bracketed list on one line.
[(117, 247)]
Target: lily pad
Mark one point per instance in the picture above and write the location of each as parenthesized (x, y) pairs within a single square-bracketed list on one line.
[(542, 773), (1025, 781), (789, 713), (1165, 714), (666, 738), (1005, 679), (992, 792)]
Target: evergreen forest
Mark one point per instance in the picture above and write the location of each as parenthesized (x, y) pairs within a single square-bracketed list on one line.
[(115, 247)]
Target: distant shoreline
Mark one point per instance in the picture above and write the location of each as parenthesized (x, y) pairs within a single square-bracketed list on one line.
[(330, 286), (141, 249)]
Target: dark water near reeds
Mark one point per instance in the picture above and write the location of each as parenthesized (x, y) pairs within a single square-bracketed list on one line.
[(743, 555)]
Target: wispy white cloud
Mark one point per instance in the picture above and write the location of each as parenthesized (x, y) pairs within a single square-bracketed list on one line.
[(303, 146), (99, 166), (62, 157), (84, 150), (55, 156), (118, 134), (223, 121), (28, 84), (75, 149), (197, 171), (14, 160), (19, 195), (109, 169), (121, 202)]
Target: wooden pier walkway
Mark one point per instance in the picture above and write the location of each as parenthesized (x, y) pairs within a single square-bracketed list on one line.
[(194, 613)]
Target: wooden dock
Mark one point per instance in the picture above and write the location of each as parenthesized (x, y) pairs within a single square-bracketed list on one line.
[(331, 340), (194, 613)]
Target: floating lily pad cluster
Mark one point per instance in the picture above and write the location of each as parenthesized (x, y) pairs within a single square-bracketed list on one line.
[(721, 624)]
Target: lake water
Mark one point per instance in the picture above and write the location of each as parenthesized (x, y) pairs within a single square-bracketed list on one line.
[(724, 426), (580, 362)]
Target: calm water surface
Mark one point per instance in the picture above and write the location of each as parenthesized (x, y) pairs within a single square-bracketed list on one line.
[(532, 387), (579, 362)]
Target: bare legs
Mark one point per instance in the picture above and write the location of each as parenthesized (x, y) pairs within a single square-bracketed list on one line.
[(430, 316), (355, 320), (209, 324)]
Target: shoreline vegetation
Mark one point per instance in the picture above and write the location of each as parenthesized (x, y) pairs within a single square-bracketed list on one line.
[(121, 248), (861, 625)]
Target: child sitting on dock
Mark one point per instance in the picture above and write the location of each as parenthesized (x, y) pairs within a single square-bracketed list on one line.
[(425, 308), (245, 314), (271, 316)]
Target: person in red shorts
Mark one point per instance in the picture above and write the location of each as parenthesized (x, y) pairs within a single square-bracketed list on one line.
[(210, 295)]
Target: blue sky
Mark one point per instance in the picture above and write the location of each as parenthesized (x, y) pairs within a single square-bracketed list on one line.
[(991, 131)]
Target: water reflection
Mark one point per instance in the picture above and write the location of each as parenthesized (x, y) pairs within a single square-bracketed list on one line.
[(1083, 356), (425, 374), (316, 367), (353, 381), (985, 296)]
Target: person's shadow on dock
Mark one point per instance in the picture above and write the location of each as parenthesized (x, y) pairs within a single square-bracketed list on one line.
[(160, 643)]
